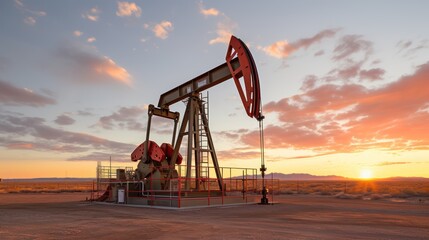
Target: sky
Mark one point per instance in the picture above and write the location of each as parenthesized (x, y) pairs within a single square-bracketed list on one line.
[(344, 84)]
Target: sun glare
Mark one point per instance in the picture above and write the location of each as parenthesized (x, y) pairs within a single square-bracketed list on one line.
[(365, 174)]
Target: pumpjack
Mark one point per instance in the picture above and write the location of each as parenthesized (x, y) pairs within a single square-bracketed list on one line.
[(157, 163)]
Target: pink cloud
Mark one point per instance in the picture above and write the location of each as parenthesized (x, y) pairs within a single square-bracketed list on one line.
[(12, 95), (351, 117), (282, 49), (88, 66)]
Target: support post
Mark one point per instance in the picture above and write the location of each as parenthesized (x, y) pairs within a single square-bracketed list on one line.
[(264, 199)]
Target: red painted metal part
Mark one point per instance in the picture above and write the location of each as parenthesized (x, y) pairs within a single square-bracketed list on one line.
[(155, 152), (246, 74), (168, 150)]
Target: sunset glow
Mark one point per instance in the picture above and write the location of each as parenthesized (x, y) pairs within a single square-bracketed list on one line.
[(366, 174), (344, 92)]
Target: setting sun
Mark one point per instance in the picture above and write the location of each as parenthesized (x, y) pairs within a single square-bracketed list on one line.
[(365, 174)]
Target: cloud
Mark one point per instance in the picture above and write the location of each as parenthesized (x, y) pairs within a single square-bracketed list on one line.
[(41, 145), (102, 156), (208, 11), (372, 74), (237, 154), (350, 45), (224, 32), (30, 21), (64, 120), (319, 53), (11, 95), (309, 82), (402, 45), (92, 15), (19, 3), (282, 49), (13, 129), (350, 117), (84, 113), (88, 66), (124, 118), (91, 39), (126, 9), (352, 53), (392, 163), (410, 47), (77, 33), (162, 29), (4, 63)]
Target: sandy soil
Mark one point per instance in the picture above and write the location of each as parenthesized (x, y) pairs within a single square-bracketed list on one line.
[(66, 216)]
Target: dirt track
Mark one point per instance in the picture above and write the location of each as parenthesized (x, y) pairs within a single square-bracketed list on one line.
[(64, 216)]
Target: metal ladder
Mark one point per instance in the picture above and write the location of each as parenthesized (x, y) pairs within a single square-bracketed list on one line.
[(204, 148)]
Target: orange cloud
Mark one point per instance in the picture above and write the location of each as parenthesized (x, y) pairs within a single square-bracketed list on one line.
[(85, 65), (349, 118), (209, 11), (21, 145), (126, 9), (224, 32), (110, 68), (282, 49), (162, 29)]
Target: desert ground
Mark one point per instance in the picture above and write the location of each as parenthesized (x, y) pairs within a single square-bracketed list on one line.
[(69, 216)]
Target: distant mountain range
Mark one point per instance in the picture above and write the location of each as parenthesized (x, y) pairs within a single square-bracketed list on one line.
[(303, 177), (280, 176), (309, 177), (46, 179)]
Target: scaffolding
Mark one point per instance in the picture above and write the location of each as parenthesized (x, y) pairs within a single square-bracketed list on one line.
[(116, 184)]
